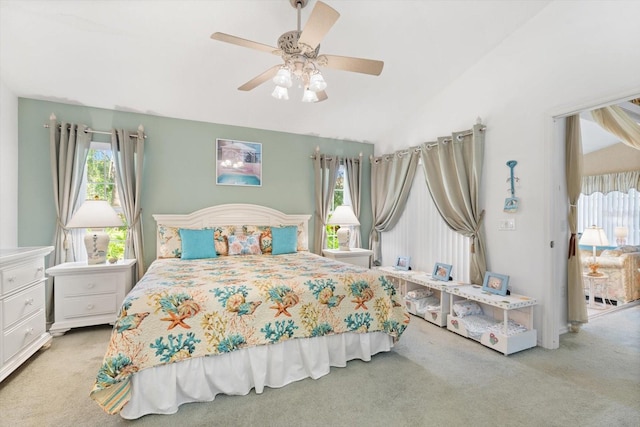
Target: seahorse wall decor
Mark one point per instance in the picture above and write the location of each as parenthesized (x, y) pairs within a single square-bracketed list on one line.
[(511, 203)]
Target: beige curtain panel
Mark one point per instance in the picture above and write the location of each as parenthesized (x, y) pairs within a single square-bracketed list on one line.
[(325, 173), (577, 309), (353, 173), (452, 169), (620, 181), (617, 122), (68, 149), (391, 179), (128, 156)]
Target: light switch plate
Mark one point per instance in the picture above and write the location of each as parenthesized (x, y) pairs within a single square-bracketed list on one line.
[(507, 224)]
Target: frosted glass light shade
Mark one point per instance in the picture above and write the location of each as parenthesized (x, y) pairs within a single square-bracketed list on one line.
[(283, 78), (317, 83), (95, 214), (309, 96), (280, 93)]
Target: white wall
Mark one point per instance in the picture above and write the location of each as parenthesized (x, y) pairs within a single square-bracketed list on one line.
[(8, 167), (571, 54)]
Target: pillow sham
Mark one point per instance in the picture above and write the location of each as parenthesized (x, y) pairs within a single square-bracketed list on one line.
[(284, 240), (197, 244), (221, 238), (244, 244), (265, 236), (466, 308), (170, 244)]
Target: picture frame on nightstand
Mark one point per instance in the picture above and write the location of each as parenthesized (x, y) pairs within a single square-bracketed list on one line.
[(441, 272), (402, 263)]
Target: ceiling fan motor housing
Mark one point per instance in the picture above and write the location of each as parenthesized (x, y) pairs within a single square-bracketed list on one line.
[(288, 43)]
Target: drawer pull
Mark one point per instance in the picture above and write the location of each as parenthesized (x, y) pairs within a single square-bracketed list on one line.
[(40, 269), (11, 279), (28, 301), (29, 331), (90, 306), (91, 285)]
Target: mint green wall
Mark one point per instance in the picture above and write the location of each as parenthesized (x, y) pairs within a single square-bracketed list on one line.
[(179, 168)]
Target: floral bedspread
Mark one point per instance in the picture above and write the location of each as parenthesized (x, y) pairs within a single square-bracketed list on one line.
[(182, 309)]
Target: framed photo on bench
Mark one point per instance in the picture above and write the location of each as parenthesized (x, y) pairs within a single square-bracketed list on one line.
[(402, 263), (441, 272), (495, 283)]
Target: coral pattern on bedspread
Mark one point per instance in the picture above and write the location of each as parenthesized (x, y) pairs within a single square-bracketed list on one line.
[(182, 309)]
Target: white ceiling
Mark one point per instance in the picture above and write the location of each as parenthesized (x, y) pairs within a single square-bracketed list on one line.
[(156, 57)]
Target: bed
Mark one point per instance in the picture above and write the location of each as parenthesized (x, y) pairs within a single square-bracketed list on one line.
[(233, 302)]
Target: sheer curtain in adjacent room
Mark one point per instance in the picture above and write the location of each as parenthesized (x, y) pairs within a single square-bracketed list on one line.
[(611, 210)]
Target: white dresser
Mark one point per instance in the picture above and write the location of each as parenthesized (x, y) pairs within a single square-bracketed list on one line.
[(22, 305), (88, 295)]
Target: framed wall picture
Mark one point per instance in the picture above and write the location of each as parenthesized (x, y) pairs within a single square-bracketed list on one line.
[(238, 163), (402, 263), (441, 271), (495, 283)]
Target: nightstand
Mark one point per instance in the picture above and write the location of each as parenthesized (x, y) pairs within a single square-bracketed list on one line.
[(86, 295), (355, 256)]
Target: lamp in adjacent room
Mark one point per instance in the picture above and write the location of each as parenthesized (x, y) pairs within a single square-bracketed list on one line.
[(345, 218), (594, 236), (621, 234), (96, 215)]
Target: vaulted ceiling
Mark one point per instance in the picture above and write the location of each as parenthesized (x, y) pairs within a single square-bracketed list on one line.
[(157, 57)]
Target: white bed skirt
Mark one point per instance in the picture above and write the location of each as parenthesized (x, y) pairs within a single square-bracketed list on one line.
[(161, 390)]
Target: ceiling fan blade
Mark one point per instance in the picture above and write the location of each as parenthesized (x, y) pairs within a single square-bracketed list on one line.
[(322, 95), (357, 65), (228, 38), (258, 80), (320, 22)]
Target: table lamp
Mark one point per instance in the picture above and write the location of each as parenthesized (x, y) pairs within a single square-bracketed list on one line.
[(594, 236), (96, 215), (621, 234), (345, 218)]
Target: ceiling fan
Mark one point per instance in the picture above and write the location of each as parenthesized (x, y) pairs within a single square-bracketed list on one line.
[(300, 52)]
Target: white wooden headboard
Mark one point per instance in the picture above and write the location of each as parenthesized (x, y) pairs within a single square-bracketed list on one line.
[(233, 214)]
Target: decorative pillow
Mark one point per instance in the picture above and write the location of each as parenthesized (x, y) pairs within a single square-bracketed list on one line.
[(221, 236), (466, 308), (284, 240), (170, 244), (265, 236), (244, 244), (197, 244), (302, 244)]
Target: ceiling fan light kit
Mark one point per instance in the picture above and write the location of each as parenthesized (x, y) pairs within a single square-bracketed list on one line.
[(299, 51)]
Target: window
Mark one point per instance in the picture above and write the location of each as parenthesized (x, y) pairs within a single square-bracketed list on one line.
[(611, 210), (340, 196), (100, 181)]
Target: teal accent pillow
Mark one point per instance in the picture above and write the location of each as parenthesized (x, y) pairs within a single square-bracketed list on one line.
[(284, 240), (197, 244)]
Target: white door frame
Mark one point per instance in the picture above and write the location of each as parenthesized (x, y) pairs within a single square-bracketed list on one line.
[(555, 319)]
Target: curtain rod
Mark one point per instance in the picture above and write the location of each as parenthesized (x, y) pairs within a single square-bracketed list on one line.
[(103, 132)]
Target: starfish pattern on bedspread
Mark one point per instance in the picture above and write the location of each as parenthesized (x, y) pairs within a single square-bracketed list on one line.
[(183, 309)]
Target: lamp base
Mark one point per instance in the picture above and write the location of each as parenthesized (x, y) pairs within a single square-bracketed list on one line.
[(97, 244), (594, 271), (344, 237)]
